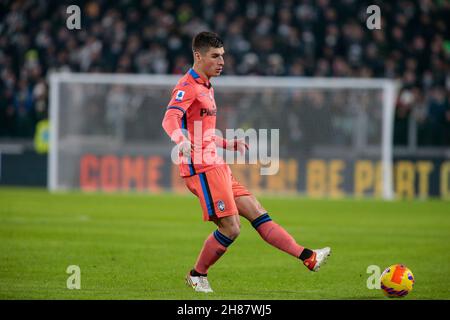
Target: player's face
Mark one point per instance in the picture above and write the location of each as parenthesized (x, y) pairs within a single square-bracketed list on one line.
[(212, 62)]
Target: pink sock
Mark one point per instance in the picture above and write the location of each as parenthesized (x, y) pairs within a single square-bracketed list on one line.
[(211, 252), (279, 238)]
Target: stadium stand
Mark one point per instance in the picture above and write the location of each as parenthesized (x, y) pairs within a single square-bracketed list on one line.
[(316, 38)]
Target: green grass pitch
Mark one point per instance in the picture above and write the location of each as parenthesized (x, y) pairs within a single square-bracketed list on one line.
[(141, 247)]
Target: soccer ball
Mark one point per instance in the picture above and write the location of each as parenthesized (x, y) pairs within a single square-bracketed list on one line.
[(397, 281)]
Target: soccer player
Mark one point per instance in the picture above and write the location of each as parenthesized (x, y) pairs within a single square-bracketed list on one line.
[(222, 198)]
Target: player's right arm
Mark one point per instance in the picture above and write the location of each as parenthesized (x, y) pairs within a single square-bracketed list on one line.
[(181, 100)]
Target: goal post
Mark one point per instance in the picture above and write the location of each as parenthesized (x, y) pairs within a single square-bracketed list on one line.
[(336, 134)]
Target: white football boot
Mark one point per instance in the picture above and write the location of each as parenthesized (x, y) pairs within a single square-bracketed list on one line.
[(318, 259), (199, 284)]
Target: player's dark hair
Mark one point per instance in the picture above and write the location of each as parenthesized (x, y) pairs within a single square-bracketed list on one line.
[(205, 40)]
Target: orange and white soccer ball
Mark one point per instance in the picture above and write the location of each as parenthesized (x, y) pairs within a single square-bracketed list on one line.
[(397, 281)]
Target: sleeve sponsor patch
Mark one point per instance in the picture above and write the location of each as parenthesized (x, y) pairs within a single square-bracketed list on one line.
[(179, 96)]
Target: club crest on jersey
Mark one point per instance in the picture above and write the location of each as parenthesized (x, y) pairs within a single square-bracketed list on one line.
[(209, 95), (179, 96), (220, 205)]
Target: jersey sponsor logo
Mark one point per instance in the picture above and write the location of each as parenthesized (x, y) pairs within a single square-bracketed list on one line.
[(208, 112), (179, 96), (220, 205)]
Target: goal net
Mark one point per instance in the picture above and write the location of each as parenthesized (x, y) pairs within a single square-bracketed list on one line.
[(333, 137)]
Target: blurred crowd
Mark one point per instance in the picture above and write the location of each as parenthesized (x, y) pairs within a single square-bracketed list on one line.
[(321, 38)]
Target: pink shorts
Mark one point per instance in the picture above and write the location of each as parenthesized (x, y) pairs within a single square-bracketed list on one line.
[(216, 190)]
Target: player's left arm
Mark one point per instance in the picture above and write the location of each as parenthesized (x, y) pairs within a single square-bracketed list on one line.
[(232, 144)]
